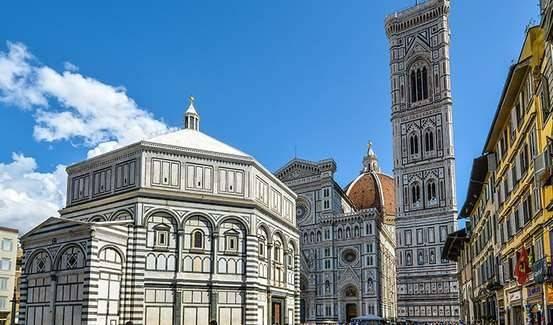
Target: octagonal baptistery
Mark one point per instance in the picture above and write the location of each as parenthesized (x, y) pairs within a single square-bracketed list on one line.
[(178, 229)]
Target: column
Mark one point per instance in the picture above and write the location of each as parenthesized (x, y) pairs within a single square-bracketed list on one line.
[(269, 281), (213, 299), (269, 263), (180, 243), (132, 294), (178, 306), (178, 268), (269, 306), (297, 293), (53, 288), (91, 278), (252, 273)]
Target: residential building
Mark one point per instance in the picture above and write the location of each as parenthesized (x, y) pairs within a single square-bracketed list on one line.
[(179, 229), (477, 253), (8, 259), (424, 161), (347, 241), (515, 139)]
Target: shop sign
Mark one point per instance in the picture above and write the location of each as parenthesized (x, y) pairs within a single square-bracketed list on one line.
[(513, 296), (534, 292)]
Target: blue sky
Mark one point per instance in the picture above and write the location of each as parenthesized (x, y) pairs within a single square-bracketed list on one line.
[(270, 77)]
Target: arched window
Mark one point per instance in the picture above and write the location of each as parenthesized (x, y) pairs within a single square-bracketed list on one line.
[(420, 258), (72, 258), (356, 231), (419, 84), (231, 240), (414, 144), (162, 236), (327, 287), (110, 255), (348, 233), (424, 83), (262, 248), (305, 237), (319, 236), (198, 239), (277, 256), (429, 140), (413, 87), (369, 229), (340, 233), (408, 259), (41, 263), (312, 237), (431, 190), (415, 193)]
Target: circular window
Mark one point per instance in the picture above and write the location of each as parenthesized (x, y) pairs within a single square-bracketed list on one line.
[(302, 209), (349, 255)]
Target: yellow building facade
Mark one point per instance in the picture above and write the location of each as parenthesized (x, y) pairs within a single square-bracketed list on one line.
[(544, 163), (517, 140), (510, 197)]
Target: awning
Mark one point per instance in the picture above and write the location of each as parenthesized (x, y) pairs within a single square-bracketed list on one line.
[(480, 167), (454, 244)]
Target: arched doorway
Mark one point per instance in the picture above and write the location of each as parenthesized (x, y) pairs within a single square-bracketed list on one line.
[(351, 311), (350, 296)]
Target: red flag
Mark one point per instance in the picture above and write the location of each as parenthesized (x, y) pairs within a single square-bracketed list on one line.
[(522, 267)]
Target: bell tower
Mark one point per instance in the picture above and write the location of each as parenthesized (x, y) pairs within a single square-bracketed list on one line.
[(424, 160)]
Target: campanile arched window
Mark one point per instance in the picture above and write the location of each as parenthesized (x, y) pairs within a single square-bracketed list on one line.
[(415, 193), (419, 83), (431, 190), (428, 140), (413, 144)]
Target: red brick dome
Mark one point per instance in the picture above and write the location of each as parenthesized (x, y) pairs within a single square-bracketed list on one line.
[(372, 188)]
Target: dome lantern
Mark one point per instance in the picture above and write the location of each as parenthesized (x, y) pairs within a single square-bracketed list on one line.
[(370, 161), (191, 117)]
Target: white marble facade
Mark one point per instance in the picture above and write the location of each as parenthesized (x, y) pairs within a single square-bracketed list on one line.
[(424, 161), (179, 229), (347, 249)]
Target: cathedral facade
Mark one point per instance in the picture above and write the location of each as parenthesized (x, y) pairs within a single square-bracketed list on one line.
[(181, 229), (347, 241), (424, 161)]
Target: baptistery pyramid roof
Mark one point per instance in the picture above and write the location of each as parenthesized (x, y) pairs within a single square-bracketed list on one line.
[(196, 140)]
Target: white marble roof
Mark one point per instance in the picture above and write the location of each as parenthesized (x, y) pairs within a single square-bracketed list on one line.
[(192, 139)]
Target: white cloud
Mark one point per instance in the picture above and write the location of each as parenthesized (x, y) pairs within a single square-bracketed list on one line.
[(27, 197), (17, 78), (70, 106), (67, 106), (70, 66)]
